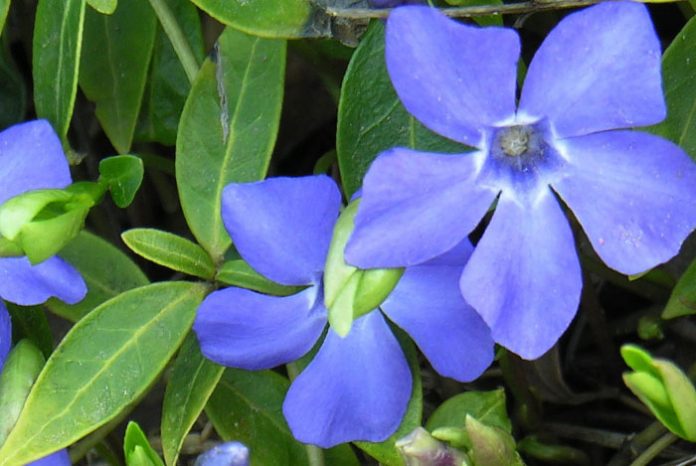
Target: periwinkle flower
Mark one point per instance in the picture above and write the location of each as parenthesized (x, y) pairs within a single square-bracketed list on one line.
[(225, 454), (357, 387), (31, 158), (566, 141), (394, 3)]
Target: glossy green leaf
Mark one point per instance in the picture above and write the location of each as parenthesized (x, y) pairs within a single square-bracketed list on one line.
[(371, 118), (170, 250), (386, 452), (103, 365), (678, 75), (137, 449), (21, 368), (247, 406), (105, 7), (192, 382), (682, 301), (487, 407), (228, 129), (4, 9), (115, 61), (237, 272), (106, 270), (168, 86), (664, 388), (56, 60), (123, 174)]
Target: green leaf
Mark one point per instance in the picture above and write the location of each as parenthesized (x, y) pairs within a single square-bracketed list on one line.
[(168, 85), (30, 322), (106, 270), (237, 272), (170, 250), (137, 449), (487, 407), (102, 366), (114, 65), (123, 174), (13, 90), (678, 75), (192, 382), (386, 452), (228, 129), (664, 388), (682, 301), (56, 59), (491, 446), (105, 7), (247, 406), (371, 118), (4, 9), (21, 368)]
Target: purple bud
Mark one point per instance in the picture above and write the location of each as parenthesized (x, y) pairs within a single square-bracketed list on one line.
[(226, 454)]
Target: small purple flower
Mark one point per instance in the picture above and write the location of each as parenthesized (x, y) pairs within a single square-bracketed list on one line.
[(31, 157), (356, 387), (225, 454), (596, 75)]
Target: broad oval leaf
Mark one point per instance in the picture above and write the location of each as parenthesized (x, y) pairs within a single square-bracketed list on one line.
[(56, 60), (106, 270), (228, 129), (123, 174), (114, 64), (4, 9), (678, 76), (371, 118), (487, 407), (239, 273), (103, 364), (247, 406), (192, 382), (105, 7), (170, 250)]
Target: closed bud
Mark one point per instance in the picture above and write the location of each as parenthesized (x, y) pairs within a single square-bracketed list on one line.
[(419, 448)]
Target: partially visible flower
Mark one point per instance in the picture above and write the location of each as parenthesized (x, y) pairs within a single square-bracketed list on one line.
[(31, 157), (226, 454), (394, 3), (59, 458), (356, 387), (595, 75)]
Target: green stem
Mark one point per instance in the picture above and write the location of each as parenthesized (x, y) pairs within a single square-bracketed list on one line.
[(178, 39), (654, 450), (315, 455)]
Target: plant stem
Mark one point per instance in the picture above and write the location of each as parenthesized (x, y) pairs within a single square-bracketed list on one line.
[(315, 455), (654, 449), (469, 11), (177, 38)]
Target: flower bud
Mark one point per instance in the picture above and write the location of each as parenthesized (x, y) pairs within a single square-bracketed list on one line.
[(419, 448)]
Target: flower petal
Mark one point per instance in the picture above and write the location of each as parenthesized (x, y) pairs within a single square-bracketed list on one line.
[(599, 69), (524, 276), (244, 329), (283, 226), (31, 157), (28, 285), (428, 305), (59, 458), (416, 206), (355, 388), (5, 334), (634, 195), (454, 78)]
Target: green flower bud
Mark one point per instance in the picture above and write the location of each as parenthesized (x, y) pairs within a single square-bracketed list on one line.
[(350, 292), (419, 448)]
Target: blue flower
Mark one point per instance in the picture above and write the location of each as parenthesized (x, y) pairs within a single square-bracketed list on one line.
[(225, 454), (565, 142), (59, 458), (356, 387), (31, 157)]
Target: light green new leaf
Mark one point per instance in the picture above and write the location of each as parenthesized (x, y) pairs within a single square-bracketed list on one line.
[(228, 129), (105, 7), (56, 60), (137, 449), (107, 272), (372, 119), (21, 368), (192, 382), (113, 69), (103, 365), (123, 174), (247, 406), (678, 76), (386, 452), (170, 250), (4, 9)]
